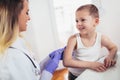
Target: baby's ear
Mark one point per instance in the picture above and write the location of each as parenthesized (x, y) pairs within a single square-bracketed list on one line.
[(97, 20)]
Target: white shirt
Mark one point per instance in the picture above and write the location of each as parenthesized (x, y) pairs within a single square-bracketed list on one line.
[(86, 53)]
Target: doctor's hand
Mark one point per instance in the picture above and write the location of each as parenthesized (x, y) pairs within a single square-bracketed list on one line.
[(53, 62), (58, 52)]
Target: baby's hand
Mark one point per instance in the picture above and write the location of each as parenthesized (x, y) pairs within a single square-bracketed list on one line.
[(108, 62), (97, 66)]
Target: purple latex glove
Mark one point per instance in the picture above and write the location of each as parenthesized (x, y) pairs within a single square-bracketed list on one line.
[(56, 52), (55, 56)]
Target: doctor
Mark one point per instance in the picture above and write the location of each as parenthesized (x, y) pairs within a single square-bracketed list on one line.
[(15, 60)]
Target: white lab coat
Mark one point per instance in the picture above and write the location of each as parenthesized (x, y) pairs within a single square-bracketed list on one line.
[(15, 65)]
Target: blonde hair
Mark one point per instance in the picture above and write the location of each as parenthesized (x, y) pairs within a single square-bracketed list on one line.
[(9, 28), (7, 34)]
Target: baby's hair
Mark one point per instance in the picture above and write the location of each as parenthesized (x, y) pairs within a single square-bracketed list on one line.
[(93, 10)]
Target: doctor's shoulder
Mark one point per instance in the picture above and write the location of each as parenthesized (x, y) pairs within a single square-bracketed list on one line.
[(15, 56)]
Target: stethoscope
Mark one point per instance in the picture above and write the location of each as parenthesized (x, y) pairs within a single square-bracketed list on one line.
[(37, 71)]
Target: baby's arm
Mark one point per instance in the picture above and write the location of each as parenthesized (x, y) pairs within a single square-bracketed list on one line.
[(68, 61), (112, 48)]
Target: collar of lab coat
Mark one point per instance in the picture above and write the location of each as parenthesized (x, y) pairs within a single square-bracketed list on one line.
[(20, 45)]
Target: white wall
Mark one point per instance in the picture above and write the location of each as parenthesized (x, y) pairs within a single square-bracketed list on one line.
[(41, 33), (110, 17)]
